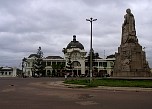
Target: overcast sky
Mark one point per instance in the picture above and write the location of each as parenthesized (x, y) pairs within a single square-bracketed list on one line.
[(27, 24)]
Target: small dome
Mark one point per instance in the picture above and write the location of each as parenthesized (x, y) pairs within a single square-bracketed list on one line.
[(75, 44)]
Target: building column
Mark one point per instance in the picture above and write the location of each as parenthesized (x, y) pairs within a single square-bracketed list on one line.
[(14, 72), (82, 66)]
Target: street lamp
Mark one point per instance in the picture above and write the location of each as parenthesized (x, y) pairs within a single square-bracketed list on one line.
[(91, 20)]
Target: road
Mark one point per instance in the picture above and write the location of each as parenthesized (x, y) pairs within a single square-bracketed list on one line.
[(28, 93)]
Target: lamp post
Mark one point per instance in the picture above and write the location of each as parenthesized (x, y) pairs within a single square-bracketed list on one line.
[(91, 20)]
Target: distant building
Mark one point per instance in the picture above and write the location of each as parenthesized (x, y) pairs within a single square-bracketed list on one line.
[(75, 62), (48, 62), (9, 71)]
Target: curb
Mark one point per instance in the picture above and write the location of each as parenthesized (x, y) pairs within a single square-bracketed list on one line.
[(136, 89)]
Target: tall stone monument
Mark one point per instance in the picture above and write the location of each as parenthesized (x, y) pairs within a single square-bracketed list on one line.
[(130, 59)]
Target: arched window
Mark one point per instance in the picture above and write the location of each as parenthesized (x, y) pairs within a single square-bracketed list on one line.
[(76, 63)]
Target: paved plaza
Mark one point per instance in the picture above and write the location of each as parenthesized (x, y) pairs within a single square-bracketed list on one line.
[(51, 93)]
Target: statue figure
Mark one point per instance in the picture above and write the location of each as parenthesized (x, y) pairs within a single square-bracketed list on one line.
[(129, 23), (128, 28)]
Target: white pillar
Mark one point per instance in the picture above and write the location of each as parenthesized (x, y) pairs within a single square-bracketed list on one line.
[(14, 72), (82, 66)]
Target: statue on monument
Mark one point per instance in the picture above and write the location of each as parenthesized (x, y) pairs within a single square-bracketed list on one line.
[(129, 23), (128, 28)]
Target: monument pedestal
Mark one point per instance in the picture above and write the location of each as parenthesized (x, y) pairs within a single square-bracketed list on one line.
[(131, 61)]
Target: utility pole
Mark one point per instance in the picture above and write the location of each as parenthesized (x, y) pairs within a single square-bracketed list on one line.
[(91, 20)]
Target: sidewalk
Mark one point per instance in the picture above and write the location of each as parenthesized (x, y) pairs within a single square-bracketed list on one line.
[(61, 84)]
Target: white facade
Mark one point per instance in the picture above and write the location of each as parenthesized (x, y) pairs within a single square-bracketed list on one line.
[(104, 65), (27, 69), (52, 60), (8, 72), (76, 55)]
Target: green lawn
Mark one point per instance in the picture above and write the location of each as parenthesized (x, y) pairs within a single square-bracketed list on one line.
[(112, 83)]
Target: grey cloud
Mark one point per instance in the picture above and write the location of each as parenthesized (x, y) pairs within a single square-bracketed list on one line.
[(27, 24)]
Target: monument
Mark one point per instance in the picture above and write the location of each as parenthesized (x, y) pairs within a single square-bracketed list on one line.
[(130, 59)]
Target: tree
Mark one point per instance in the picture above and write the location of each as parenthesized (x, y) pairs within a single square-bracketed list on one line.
[(94, 57), (38, 66), (24, 61)]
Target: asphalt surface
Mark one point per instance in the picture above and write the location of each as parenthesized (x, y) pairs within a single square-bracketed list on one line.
[(49, 93)]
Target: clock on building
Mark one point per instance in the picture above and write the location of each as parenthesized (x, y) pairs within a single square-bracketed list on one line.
[(75, 55)]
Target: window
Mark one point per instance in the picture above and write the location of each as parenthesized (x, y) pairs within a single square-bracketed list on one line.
[(48, 63), (43, 63), (100, 64), (86, 64), (2, 73), (9, 73), (28, 72), (96, 64), (53, 63), (104, 64), (29, 64), (63, 63), (76, 63)]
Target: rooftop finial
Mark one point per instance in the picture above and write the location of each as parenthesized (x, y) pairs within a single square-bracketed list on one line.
[(74, 38)]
